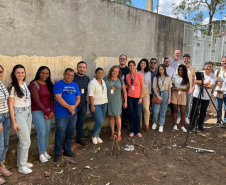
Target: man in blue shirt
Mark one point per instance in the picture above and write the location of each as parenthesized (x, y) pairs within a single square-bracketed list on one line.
[(67, 98)]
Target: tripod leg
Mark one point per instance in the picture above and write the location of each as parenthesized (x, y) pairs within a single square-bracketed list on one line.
[(214, 105)]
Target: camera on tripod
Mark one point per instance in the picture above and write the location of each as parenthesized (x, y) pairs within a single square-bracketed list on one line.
[(199, 76)]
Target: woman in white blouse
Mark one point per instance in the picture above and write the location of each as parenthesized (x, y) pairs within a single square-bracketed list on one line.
[(143, 68), (4, 127), (97, 92), (21, 118)]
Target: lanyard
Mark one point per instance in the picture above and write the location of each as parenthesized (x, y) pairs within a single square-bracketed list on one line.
[(162, 80), (132, 79), (112, 84), (101, 85), (3, 91), (24, 91), (82, 83)]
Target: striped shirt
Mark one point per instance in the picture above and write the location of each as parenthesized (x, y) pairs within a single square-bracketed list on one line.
[(4, 95)]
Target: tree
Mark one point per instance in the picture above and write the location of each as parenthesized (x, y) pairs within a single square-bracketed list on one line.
[(189, 9), (128, 2)]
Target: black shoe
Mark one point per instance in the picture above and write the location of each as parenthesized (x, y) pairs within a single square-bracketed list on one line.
[(218, 125), (201, 128), (57, 158), (81, 142), (69, 153), (124, 125)]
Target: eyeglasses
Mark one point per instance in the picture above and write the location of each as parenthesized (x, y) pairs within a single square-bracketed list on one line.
[(132, 81), (122, 59), (153, 62), (1, 72)]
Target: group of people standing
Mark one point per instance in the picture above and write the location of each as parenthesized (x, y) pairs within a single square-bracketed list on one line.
[(124, 93)]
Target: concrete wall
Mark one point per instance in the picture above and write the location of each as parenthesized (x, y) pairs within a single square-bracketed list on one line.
[(84, 28)]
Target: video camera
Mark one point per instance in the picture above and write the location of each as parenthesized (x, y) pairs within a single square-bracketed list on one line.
[(199, 76)]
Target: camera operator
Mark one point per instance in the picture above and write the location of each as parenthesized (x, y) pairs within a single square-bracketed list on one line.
[(208, 82)]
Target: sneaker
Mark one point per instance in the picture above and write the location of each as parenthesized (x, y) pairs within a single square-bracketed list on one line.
[(2, 181), (69, 153), (201, 128), (154, 126), (99, 140), (187, 120), (29, 165), (139, 135), (81, 142), (57, 158), (178, 120), (94, 139), (24, 170), (183, 129), (174, 127), (42, 158), (5, 172), (218, 125), (47, 155), (160, 129)]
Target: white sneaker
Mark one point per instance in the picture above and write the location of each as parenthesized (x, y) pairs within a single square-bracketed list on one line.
[(47, 155), (160, 129), (174, 127), (24, 170), (178, 120), (154, 126), (187, 120), (29, 165), (94, 139), (183, 129), (42, 158), (99, 140)]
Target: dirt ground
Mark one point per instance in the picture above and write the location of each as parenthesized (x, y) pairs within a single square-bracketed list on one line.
[(158, 158)]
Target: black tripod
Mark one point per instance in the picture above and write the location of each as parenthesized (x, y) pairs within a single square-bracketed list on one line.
[(195, 115)]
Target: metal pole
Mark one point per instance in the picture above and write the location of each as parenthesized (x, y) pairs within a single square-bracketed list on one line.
[(221, 19)]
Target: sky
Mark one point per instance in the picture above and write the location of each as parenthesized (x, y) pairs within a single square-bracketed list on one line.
[(166, 7)]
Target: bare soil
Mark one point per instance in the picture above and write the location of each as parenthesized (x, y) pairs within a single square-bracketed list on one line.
[(161, 158)]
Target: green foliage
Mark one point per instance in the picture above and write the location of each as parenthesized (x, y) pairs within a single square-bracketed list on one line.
[(190, 10), (128, 2)]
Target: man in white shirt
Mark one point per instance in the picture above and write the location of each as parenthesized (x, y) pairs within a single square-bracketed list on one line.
[(209, 82), (169, 70), (174, 63)]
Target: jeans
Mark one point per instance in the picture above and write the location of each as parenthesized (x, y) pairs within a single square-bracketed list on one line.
[(98, 116), (23, 119), (43, 127), (4, 136), (219, 103), (135, 113), (65, 126), (188, 96), (81, 114), (202, 114), (160, 107)]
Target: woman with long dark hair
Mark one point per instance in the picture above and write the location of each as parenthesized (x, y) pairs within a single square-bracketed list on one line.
[(162, 88), (21, 118), (143, 68), (181, 84), (115, 89), (4, 127), (97, 92), (42, 107)]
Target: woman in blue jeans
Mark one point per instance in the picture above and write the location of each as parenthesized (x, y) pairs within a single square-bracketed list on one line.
[(21, 118), (42, 106), (97, 92), (162, 89), (4, 127)]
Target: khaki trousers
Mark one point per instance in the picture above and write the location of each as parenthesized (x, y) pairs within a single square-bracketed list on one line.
[(145, 107)]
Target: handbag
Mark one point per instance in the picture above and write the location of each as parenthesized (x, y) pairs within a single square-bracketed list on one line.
[(156, 100)]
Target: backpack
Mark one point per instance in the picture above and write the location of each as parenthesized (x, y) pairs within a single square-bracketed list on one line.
[(36, 84)]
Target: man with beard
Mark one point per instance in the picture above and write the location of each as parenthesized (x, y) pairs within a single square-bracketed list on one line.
[(82, 80)]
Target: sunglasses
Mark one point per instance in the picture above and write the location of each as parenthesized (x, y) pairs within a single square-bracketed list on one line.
[(153, 62), (1, 72)]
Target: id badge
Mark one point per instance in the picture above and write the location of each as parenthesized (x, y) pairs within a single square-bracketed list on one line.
[(6, 105), (82, 91), (112, 91), (179, 92), (162, 89), (133, 88), (123, 77)]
